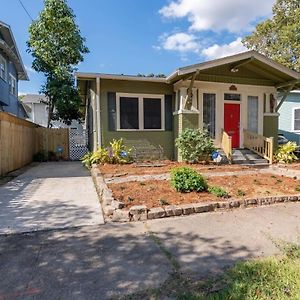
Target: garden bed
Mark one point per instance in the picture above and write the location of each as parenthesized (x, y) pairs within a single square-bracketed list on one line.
[(160, 167), (155, 193)]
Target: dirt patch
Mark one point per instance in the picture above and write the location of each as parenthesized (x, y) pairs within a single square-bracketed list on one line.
[(159, 193), (293, 166), (160, 167)]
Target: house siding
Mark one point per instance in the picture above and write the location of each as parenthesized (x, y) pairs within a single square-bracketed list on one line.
[(165, 139), (286, 117)]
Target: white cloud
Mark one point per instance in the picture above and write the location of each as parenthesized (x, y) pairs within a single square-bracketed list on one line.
[(231, 15), (217, 51), (181, 42)]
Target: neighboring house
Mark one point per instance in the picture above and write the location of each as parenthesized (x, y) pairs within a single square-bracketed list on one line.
[(289, 119), (11, 71), (37, 110), (235, 94)]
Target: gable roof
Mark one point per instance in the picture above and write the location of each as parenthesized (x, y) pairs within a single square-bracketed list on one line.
[(250, 63), (33, 98), (9, 46)]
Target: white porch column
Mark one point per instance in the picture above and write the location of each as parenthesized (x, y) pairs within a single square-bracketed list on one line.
[(195, 98), (99, 142), (268, 107), (183, 94)]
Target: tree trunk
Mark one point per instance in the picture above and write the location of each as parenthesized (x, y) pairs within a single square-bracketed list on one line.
[(50, 113)]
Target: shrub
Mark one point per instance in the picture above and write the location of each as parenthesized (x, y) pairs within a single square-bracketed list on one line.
[(195, 145), (117, 153), (39, 157), (218, 191), (186, 180), (285, 153)]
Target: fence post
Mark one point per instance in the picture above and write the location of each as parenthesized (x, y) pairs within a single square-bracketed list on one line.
[(271, 150)]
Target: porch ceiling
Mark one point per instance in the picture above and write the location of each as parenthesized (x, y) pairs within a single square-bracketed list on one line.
[(245, 68)]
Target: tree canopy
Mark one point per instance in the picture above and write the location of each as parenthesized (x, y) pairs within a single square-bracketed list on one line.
[(279, 37), (57, 46)]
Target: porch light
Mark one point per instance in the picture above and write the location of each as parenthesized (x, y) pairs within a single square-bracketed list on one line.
[(234, 70)]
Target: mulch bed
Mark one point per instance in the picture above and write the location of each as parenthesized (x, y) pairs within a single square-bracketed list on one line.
[(160, 167), (159, 193)]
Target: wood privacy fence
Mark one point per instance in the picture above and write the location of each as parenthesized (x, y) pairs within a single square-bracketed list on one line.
[(20, 140)]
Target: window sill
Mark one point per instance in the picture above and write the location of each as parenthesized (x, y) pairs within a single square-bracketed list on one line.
[(140, 130)]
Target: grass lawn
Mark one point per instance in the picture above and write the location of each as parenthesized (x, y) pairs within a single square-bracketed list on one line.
[(263, 279)]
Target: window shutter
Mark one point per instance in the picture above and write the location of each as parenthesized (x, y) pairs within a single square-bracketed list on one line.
[(112, 113), (168, 112)]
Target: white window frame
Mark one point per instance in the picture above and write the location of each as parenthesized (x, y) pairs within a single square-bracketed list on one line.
[(12, 79), (4, 62), (140, 110), (293, 120)]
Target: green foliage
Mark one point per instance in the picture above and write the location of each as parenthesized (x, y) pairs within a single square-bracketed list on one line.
[(86, 160), (39, 157), (186, 180), (195, 145), (278, 37), (285, 153), (218, 191), (117, 153), (57, 47)]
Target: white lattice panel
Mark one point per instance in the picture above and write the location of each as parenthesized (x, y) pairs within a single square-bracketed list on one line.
[(78, 143)]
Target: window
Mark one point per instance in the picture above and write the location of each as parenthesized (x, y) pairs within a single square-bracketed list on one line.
[(129, 113), (297, 119), (3, 67), (232, 97), (209, 113), (152, 113), (140, 112), (12, 85), (253, 114)]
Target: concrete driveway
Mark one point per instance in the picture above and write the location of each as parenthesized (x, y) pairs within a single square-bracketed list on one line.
[(49, 196), (103, 262)]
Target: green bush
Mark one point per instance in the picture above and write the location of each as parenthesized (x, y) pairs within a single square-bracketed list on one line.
[(218, 191), (186, 180), (195, 145), (117, 153), (285, 153)]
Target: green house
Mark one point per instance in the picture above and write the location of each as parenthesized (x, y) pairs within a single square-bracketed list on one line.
[(234, 98)]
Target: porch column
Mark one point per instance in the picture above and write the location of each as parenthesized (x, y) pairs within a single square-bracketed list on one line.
[(98, 112)]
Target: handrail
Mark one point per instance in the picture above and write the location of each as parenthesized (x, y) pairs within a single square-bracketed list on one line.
[(259, 144), (226, 143)]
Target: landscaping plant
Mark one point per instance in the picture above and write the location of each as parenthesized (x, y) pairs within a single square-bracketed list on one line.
[(186, 180), (86, 160), (285, 153), (195, 145), (218, 191)]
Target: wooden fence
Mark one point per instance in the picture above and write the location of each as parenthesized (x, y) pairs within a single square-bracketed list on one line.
[(20, 140)]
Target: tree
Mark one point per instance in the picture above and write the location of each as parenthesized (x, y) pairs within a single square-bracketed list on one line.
[(279, 37), (57, 46)]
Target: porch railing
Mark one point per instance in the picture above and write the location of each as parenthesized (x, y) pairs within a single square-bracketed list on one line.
[(259, 144), (226, 143)]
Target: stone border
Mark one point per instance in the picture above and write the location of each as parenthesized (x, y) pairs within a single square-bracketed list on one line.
[(113, 209)]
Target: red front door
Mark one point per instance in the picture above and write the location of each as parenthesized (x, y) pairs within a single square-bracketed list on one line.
[(232, 122)]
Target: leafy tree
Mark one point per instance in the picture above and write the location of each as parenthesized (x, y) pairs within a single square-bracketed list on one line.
[(57, 47), (279, 36)]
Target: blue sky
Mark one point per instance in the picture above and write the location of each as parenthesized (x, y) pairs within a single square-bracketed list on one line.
[(140, 36)]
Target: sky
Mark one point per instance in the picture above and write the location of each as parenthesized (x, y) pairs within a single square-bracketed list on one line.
[(145, 36)]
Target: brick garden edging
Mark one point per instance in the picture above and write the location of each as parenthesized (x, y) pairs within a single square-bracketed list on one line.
[(113, 209)]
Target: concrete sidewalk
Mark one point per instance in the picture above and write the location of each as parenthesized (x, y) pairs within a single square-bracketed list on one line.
[(101, 262), (49, 196)]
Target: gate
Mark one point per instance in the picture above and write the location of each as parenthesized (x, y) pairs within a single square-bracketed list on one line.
[(78, 142)]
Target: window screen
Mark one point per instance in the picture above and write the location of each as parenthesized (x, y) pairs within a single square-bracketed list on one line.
[(129, 113), (297, 119), (253, 114), (152, 113), (209, 113)]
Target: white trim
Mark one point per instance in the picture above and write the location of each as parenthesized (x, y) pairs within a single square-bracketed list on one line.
[(293, 120), (11, 79), (5, 68), (140, 98)]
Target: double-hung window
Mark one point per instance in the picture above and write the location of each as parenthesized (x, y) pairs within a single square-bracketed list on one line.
[(296, 119), (12, 85), (140, 112), (3, 67)]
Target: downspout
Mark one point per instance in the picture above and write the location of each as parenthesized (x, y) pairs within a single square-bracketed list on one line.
[(98, 112)]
